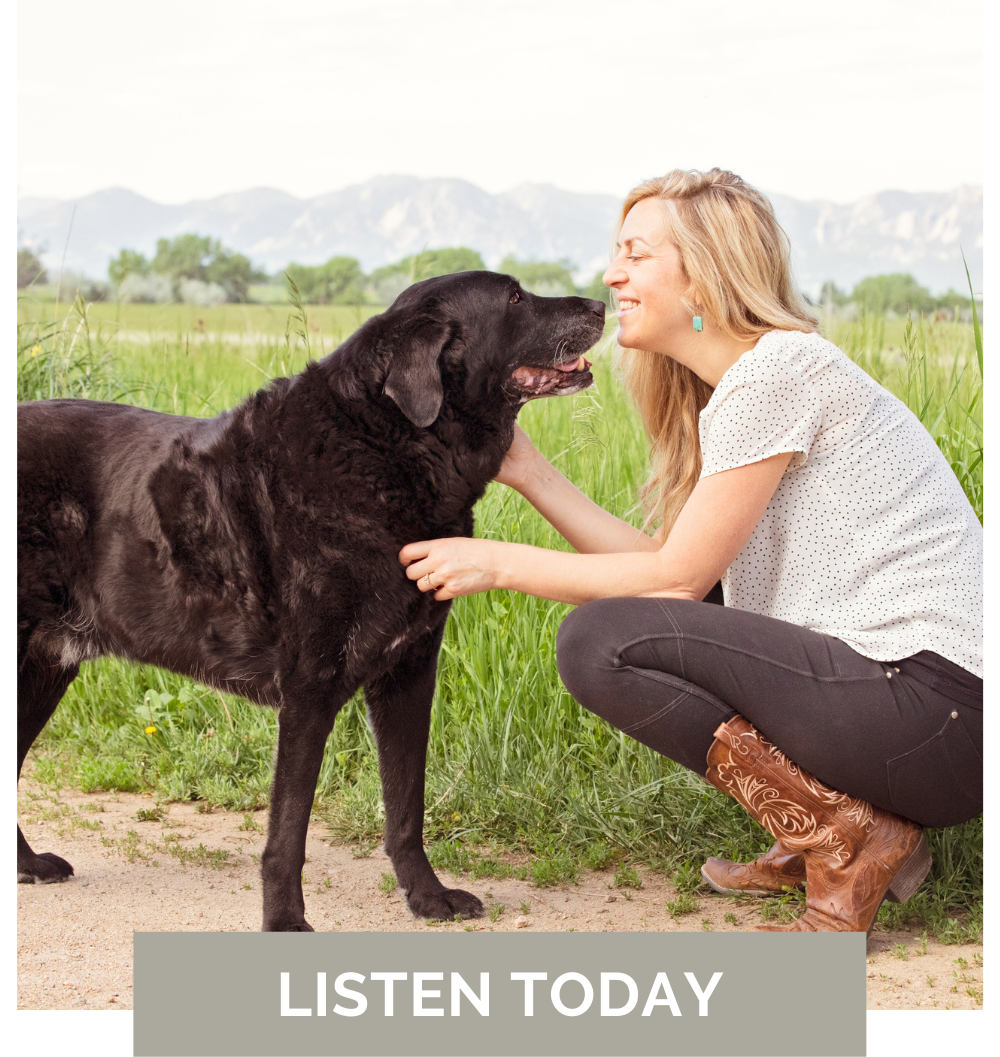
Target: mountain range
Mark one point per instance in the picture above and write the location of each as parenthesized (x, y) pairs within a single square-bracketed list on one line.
[(389, 217)]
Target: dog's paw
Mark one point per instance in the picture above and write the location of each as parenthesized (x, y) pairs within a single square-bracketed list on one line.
[(44, 869), (445, 904)]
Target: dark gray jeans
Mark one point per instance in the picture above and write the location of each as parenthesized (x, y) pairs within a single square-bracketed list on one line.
[(906, 735)]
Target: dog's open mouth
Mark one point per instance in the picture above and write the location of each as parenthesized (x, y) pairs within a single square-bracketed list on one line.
[(558, 380)]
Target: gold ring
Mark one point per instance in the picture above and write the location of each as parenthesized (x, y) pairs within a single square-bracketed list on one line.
[(427, 577)]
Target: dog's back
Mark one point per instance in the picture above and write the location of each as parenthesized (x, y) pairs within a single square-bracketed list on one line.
[(121, 533)]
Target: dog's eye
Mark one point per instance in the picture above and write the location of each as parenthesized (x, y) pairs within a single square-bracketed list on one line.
[(515, 297)]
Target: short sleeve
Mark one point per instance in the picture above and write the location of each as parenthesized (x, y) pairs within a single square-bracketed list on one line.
[(760, 415)]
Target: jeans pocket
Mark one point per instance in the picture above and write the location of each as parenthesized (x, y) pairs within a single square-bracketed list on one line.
[(939, 783)]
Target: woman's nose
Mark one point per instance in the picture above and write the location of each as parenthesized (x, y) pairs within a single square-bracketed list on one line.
[(614, 274)]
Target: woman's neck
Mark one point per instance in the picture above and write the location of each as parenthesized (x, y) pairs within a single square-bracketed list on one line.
[(708, 353)]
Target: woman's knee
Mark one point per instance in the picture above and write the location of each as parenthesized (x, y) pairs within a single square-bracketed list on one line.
[(585, 651)]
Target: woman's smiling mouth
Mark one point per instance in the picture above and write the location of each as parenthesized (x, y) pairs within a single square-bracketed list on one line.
[(625, 306)]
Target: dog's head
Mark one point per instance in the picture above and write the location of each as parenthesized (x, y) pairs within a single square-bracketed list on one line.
[(477, 339)]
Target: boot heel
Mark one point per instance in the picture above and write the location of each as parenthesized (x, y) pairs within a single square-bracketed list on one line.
[(911, 874)]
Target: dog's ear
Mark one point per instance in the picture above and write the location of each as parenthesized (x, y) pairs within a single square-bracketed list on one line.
[(413, 380)]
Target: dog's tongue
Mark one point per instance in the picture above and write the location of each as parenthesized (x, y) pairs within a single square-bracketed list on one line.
[(577, 365)]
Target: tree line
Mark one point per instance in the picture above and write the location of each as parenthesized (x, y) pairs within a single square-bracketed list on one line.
[(199, 269)]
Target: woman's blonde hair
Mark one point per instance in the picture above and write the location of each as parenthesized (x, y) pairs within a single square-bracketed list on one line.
[(736, 256)]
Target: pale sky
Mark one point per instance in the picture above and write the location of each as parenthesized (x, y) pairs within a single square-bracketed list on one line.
[(185, 100)]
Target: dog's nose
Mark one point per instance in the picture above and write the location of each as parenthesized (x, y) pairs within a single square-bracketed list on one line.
[(597, 307)]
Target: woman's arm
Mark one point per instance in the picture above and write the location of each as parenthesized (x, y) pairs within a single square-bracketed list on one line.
[(711, 530), (578, 519)]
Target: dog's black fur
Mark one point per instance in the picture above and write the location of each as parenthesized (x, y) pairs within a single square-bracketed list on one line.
[(257, 551)]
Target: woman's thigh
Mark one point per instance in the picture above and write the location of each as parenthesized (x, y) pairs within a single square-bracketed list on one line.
[(668, 671)]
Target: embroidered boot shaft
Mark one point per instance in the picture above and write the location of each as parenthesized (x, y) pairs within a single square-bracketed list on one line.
[(854, 852)]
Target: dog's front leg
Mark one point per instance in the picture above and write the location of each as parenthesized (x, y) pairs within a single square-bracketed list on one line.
[(304, 723), (399, 707)]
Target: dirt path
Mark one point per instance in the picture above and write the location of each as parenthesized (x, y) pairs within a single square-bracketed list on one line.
[(182, 870)]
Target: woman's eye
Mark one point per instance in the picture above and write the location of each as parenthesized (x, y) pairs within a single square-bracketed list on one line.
[(515, 297)]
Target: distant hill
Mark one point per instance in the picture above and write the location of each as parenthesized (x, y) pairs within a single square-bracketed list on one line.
[(389, 217)]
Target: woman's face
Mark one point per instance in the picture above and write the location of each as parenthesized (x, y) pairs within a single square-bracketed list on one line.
[(650, 282)]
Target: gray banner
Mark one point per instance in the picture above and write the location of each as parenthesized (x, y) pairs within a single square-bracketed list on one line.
[(578, 993)]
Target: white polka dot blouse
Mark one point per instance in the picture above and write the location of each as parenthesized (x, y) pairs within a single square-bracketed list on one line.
[(869, 536)]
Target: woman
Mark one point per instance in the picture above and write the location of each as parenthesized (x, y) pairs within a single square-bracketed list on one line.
[(837, 694)]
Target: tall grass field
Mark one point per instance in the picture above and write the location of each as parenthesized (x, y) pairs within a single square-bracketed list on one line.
[(514, 764)]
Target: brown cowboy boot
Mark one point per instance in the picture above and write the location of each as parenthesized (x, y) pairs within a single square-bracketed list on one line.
[(855, 853), (774, 871)]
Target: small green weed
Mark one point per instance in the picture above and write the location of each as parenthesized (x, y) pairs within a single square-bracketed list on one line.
[(96, 776), (783, 909), (627, 877), (494, 910), (730, 917), (250, 824), (525, 908), (149, 814), (598, 856), (216, 858), (86, 823), (387, 883), (129, 846), (687, 877), (554, 870), (685, 903)]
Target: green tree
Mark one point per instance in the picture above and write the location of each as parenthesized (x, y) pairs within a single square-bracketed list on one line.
[(234, 273), (831, 294), (429, 263), (548, 278), (445, 261), (899, 293), (201, 257), (29, 269), (339, 281), (185, 257), (128, 262)]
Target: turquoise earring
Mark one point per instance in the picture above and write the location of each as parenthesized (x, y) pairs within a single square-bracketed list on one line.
[(696, 320)]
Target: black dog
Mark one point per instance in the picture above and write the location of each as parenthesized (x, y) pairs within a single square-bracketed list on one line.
[(257, 551)]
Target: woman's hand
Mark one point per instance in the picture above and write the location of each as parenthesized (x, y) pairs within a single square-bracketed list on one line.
[(518, 461), (450, 567)]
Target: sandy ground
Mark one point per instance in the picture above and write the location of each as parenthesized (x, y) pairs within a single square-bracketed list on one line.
[(192, 872)]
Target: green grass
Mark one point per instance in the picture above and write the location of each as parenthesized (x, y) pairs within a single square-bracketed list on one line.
[(521, 782)]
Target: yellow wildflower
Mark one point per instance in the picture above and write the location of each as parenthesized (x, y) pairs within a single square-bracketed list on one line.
[(151, 730), (35, 350)]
